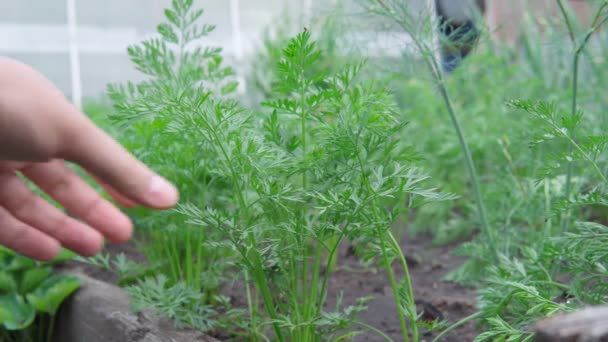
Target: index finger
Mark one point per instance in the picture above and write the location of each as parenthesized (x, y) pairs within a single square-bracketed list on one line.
[(97, 152)]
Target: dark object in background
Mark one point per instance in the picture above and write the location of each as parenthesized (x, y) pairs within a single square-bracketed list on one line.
[(457, 28)]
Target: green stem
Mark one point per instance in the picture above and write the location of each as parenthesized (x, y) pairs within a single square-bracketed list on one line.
[(562, 9), (252, 309), (294, 271), (457, 325), (306, 300), (388, 266), (473, 177), (435, 69), (264, 288), (551, 283), (394, 287), (314, 292), (259, 275), (548, 223), (328, 270), (574, 144), (370, 328), (170, 249), (333, 259), (188, 257), (199, 260), (408, 282), (578, 48)]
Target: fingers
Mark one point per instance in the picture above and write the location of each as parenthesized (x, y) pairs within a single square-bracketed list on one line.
[(25, 239), (71, 191), (98, 153), (38, 124), (35, 212), (117, 196)]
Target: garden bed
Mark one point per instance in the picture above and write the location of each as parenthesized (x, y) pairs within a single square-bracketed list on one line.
[(428, 265)]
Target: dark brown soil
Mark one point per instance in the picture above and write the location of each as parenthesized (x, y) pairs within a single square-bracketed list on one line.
[(428, 266), (439, 299)]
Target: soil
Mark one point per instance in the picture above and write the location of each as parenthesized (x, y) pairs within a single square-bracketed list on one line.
[(438, 299), (428, 265)]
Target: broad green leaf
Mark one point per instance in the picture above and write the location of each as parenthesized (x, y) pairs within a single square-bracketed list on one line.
[(31, 279), (6, 253), (64, 255), (18, 263), (5, 314), (7, 282), (15, 312), (52, 292)]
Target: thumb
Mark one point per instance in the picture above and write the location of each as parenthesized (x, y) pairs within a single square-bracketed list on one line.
[(88, 146)]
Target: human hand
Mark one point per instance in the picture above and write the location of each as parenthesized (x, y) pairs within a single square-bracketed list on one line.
[(39, 131)]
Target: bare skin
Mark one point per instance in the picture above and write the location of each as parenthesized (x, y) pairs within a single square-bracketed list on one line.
[(39, 131)]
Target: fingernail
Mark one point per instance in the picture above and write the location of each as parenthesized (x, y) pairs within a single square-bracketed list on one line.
[(162, 193)]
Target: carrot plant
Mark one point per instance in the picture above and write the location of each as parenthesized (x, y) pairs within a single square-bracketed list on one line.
[(270, 193), (421, 27), (558, 265), (145, 112), (323, 166), (548, 258), (578, 46)]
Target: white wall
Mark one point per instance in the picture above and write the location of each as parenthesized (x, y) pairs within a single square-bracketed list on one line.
[(35, 32)]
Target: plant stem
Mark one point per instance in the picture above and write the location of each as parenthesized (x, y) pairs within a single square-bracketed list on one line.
[(327, 267), (199, 260), (307, 301), (259, 275), (252, 309), (548, 223), (437, 74), (408, 282), (188, 258), (578, 48), (173, 256), (552, 283), (593, 163), (562, 9), (473, 177), (314, 290), (394, 287), (388, 266), (377, 331), (266, 294), (457, 325)]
